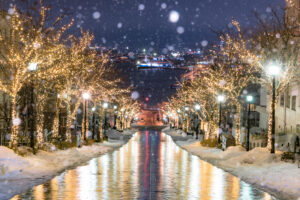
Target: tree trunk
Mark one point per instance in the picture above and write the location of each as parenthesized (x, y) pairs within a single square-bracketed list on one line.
[(238, 124), (40, 119), (55, 126), (71, 115), (69, 123), (269, 128), (100, 132), (15, 126)]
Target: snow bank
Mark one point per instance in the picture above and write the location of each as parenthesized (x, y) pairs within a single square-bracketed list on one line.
[(20, 173), (257, 167), (43, 162)]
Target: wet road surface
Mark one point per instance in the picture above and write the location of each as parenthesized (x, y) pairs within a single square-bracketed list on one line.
[(149, 166)]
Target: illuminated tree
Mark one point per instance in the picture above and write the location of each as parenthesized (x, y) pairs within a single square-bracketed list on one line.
[(30, 50), (273, 42)]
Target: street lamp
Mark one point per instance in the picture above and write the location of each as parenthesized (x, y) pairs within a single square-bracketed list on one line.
[(273, 70), (86, 96), (186, 109), (197, 107), (105, 106), (115, 116), (93, 120), (249, 100), (221, 99)]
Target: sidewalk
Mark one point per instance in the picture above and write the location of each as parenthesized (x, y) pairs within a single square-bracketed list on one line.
[(17, 173), (258, 166)]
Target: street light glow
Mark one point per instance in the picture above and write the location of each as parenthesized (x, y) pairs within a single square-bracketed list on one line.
[(105, 105), (186, 108), (221, 98), (273, 69), (93, 109), (86, 96), (197, 107), (115, 107), (249, 98), (32, 66)]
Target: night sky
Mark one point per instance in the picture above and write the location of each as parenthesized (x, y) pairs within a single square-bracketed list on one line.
[(145, 23)]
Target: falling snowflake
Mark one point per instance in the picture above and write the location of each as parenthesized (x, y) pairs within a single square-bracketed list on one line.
[(96, 15), (222, 82), (119, 25), (204, 43), (11, 11), (163, 6), (79, 111), (36, 45), (135, 95), (16, 121), (174, 16), (180, 30), (141, 7)]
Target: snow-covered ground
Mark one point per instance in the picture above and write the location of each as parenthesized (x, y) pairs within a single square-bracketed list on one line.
[(18, 173), (257, 166)]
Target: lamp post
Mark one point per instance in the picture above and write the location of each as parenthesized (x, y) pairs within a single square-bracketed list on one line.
[(186, 109), (179, 118), (249, 100), (32, 67), (105, 106), (93, 121), (197, 108), (273, 70), (221, 99), (115, 116), (86, 96)]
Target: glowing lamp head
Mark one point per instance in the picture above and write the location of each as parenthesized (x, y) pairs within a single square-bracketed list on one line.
[(186, 108), (93, 109), (249, 98), (197, 107), (86, 96), (32, 66), (273, 69), (115, 107), (221, 98), (105, 105)]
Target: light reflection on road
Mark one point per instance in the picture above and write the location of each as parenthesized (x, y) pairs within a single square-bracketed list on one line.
[(150, 166)]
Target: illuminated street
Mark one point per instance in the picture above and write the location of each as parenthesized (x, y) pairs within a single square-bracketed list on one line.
[(149, 100), (150, 166)]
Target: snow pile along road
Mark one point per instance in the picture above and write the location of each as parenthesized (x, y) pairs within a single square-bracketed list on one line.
[(257, 167), (18, 173)]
